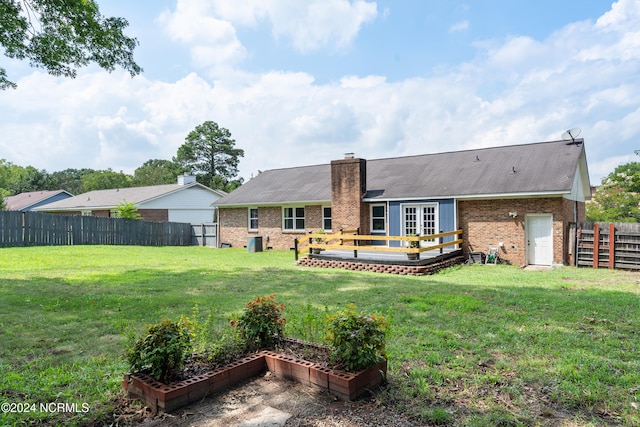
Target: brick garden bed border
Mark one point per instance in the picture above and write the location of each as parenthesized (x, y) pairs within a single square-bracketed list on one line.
[(161, 397), (401, 269)]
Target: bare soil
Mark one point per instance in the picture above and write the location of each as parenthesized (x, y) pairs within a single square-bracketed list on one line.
[(268, 401)]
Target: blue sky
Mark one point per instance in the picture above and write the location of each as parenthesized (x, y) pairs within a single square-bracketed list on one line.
[(302, 82)]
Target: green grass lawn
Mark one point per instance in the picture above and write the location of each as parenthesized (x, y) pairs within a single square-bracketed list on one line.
[(474, 345)]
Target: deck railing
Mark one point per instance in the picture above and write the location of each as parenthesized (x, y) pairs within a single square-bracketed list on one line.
[(353, 240)]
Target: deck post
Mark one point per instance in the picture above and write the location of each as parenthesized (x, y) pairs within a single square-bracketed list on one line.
[(440, 239), (356, 243)]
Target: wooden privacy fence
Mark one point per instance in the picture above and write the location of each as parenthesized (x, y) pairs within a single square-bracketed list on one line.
[(609, 245), (41, 229), (353, 240)]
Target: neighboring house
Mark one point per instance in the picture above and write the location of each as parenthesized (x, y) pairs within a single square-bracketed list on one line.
[(186, 201), (519, 198), (31, 200)]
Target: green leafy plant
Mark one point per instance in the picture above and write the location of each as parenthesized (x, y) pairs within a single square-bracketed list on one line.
[(261, 322), (413, 243), (319, 239), (128, 211), (227, 347), (163, 349), (358, 339)]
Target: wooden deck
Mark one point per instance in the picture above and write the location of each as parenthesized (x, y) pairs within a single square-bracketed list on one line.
[(352, 251), (388, 258)]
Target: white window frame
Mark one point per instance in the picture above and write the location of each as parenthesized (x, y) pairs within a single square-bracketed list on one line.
[(384, 218), (324, 218), (295, 218), (250, 219)]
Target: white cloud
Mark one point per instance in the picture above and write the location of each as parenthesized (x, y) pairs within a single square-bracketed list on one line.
[(520, 90), (211, 41), (459, 27), (309, 25), (315, 24)]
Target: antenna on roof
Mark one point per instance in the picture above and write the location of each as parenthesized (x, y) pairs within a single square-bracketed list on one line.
[(571, 134)]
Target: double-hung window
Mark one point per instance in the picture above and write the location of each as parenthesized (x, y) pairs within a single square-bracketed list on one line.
[(326, 218), (293, 219), (253, 218), (378, 219)]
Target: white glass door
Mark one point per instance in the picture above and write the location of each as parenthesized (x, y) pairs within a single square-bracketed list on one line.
[(420, 220)]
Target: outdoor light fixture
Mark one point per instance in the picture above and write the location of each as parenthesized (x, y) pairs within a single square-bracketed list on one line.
[(513, 214)]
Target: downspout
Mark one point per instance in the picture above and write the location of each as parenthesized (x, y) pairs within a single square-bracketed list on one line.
[(216, 216), (575, 234)]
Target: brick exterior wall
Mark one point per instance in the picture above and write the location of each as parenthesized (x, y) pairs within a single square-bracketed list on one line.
[(234, 226), (154, 215), (485, 223), (348, 185)]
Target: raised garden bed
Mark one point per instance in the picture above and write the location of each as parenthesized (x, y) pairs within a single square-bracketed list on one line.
[(161, 397)]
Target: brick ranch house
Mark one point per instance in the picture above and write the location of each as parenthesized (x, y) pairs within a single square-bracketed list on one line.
[(518, 198), (185, 201)]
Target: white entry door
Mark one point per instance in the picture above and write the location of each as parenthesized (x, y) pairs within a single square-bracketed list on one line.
[(420, 220), (539, 239)]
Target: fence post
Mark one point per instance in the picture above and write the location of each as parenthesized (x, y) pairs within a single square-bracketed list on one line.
[(356, 243), (612, 246), (596, 244), (295, 248)]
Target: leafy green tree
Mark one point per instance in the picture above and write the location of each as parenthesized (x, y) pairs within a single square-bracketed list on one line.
[(62, 36), (617, 199), (104, 180), (128, 210), (157, 172), (209, 152), (3, 202), (69, 180), (5, 173), (16, 179)]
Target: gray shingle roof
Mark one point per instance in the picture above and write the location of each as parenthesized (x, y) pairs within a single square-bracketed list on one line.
[(25, 200), (278, 186), (540, 168), (114, 197)]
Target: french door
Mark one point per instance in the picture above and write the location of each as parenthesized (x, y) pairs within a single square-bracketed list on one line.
[(420, 220)]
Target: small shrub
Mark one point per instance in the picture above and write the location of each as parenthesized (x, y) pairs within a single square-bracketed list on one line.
[(128, 211), (163, 349), (358, 339), (228, 347), (261, 322)]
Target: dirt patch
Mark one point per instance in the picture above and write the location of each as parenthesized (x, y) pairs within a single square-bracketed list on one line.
[(269, 401)]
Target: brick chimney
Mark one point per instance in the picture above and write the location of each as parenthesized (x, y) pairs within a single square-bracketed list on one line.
[(348, 185), (186, 179)]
